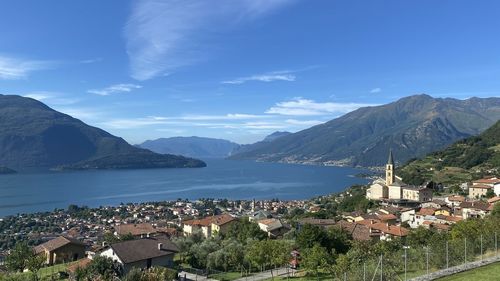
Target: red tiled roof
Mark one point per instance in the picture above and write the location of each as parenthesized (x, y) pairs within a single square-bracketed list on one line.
[(135, 229), (488, 181), (426, 211), (391, 229), (217, 220)]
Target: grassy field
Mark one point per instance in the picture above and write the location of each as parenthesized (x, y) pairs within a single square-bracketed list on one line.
[(486, 273)]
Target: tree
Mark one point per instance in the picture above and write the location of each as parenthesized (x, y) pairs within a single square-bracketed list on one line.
[(19, 256), (496, 211), (316, 259), (102, 267), (309, 235), (34, 263)]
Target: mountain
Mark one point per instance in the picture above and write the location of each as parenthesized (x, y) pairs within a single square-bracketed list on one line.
[(275, 135), (191, 146), (34, 135), (460, 162), (412, 126), (254, 146)]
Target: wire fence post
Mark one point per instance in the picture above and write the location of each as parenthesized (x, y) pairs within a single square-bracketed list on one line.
[(427, 258), (481, 247), (465, 251), (496, 245), (447, 256), (364, 271), (381, 267)]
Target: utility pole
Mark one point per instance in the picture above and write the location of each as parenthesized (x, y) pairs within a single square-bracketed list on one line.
[(496, 245), (406, 259)]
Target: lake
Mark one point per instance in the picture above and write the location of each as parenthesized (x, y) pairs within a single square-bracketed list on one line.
[(44, 190)]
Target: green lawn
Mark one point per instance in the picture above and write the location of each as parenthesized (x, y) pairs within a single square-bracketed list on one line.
[(486, 273)]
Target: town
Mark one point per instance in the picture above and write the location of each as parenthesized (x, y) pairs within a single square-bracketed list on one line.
[(147, 235)]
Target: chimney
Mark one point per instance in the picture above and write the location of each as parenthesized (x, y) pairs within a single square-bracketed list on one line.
[(160, 245), (371, 221), (387, 224)]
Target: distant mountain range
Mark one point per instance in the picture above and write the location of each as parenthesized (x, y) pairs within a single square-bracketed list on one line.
[(411, 127), (460, 162), (255, 146), (34, 135), (201, 147), (198, 147)]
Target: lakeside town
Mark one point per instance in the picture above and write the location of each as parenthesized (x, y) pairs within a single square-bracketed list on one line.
[(152, 234)]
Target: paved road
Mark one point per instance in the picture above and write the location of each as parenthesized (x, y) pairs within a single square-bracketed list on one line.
[(266, 275)]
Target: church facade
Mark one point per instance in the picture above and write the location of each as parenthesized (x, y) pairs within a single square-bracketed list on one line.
[(393, 188)]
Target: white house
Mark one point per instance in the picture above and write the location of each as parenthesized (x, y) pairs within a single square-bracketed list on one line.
[(142, 253)]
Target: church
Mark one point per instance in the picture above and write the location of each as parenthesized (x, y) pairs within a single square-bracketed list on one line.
[(393, 189)]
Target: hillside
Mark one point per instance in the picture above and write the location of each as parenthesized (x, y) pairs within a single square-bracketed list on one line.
[(462, 161), (255, 146), (191, 146), (34, 135), (411, 127)]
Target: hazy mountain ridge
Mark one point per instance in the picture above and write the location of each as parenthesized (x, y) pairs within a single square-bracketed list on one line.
[(254, 146), (199, 147), (34, 135), (412, 127)]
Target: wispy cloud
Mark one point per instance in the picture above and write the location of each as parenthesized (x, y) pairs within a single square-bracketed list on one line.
[(88, 61), (267, 77), (375, 90), (304, 107), (114, 89), (16, 68), (51, 98), (164, 35)]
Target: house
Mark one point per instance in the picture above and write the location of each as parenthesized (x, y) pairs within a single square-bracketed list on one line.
[(474, 209), (259, 215), (142, 253), (493, 182), (137, 230), (61, 249), (273, 227), (419, 194), (478, 191), (208, 226), (388, 232), (454, 200), (357, 231)]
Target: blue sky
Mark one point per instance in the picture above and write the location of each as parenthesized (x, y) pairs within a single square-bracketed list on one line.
[(241, 69)]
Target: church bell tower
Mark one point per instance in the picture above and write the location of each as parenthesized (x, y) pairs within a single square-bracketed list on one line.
[(389, 170)]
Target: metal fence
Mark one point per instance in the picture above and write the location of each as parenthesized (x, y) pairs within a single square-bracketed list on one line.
[(409, 262)]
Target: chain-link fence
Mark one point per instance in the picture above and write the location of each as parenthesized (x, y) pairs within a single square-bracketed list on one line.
[(410, 262)]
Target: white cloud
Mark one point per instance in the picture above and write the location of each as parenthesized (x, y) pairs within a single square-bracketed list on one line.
[(164, 35), (270, 77), (51, 98), (15, 68), (304, 122), (305, 107), (88, 61), (375, 90), (114, 89)]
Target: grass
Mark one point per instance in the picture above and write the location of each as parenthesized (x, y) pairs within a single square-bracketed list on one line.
[(485, 273)]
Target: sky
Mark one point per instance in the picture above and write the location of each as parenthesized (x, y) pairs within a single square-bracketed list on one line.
[(242, 69)]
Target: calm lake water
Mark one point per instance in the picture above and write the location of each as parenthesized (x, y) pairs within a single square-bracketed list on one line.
[(44, 191)]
